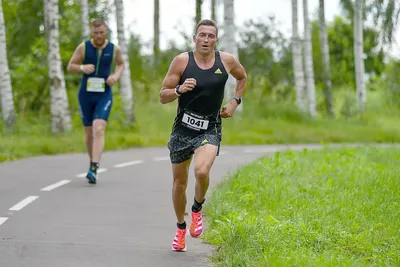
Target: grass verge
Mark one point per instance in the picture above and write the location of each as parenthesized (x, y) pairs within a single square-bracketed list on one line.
[(334, 207)]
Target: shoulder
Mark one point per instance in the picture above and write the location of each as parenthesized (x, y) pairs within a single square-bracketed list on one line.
[(228, 58), (182, 58), (180, 61), (81, 47), (229, 61)]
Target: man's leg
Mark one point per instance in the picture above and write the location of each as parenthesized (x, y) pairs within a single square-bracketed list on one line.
[(204, 159), (102, 112), (99, 127), (89, 141), (180, 173), (181, 155)]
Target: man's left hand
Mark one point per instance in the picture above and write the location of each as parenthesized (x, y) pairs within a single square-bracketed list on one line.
[(228, 110), (111, 80)]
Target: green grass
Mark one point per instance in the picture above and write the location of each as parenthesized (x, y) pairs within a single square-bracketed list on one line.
[(265, 123), (334, 207)]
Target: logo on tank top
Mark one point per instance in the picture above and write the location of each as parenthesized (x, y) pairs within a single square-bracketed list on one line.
[(218, 71)]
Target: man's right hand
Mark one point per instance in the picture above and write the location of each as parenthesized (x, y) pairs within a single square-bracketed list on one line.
[(88, 69), (188, 85)]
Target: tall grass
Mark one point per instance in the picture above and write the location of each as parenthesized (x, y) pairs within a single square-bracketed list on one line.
[(337, 207)]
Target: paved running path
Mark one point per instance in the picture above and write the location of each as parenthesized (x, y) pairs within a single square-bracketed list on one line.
[(50, 216)]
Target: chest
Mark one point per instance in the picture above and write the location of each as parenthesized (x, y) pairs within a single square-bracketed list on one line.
[(208, 82), (99, 56)]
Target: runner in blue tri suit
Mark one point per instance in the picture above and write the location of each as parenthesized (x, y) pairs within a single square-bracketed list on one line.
[(94, 58)]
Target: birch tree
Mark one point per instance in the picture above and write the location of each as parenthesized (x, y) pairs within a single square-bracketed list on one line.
[(85, 19), (326, 70), (6, 95), (59, 107), (308, 61), (156, 44), (297, 59), (125, 80), (358, 54), (230, 46)]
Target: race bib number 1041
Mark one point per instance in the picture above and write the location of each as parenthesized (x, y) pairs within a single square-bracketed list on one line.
[(194, 123)]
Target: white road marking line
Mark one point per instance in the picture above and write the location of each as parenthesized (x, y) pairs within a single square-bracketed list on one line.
[(82, 175), (55, 185), (221, 153), (20, 205), (3, 220), (161, 158), (129, 163)]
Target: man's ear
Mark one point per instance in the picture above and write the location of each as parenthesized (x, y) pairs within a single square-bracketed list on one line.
[(194, 38)]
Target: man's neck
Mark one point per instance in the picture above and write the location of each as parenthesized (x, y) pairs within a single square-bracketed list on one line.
[(204, 58), (99, 46)]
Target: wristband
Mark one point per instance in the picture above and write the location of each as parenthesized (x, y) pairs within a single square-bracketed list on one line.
[(81, 67)]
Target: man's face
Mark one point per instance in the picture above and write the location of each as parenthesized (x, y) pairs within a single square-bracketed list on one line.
[(99, 34), (205, 39)]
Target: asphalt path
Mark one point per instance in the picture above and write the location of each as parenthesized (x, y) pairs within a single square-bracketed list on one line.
[(50, 216)]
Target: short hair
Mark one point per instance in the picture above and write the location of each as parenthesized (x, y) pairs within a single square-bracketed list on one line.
[(206, 22), (98, 22)]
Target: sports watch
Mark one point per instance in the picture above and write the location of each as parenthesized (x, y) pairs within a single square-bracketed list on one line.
[(238, 100)]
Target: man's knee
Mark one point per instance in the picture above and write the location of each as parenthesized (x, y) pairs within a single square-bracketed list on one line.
[(99, 127), (201, 171)]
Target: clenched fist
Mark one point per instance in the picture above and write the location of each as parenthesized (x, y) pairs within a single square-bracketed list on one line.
[(188, 85)]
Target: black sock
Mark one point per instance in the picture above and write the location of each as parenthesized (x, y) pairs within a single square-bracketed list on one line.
[(181, 225), (94, 166), (197, 206)]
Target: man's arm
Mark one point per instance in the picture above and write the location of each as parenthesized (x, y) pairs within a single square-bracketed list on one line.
[(74, 65), (119, 61), (171, 80), (239, 73)]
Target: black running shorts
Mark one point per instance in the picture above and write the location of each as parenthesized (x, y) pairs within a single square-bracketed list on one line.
[(182, 147)]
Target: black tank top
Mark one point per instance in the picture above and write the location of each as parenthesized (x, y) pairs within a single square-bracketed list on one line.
[(198, 110)]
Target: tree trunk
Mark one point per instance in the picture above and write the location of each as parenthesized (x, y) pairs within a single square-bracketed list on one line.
[(298, 61), (6, 95), (326, 70), (156, 45), (309, 62), (358, 55), (59, 109), (85, 19), (125, 80), (230, 46)]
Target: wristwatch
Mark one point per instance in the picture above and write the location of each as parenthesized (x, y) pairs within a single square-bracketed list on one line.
[(177, 90), (238, 100)]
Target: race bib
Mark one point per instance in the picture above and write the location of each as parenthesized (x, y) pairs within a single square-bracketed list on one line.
[(194, 123), (95, 85)]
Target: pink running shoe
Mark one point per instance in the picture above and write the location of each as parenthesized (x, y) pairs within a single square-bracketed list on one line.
[(179, 243), (196, 226)]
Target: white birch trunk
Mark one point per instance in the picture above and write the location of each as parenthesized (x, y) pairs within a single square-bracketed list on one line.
[(125, 80), (6, 95), (323, 35), (230, 46), (156, 23), (297, 60), (85, 19), (358, 54), (59, 109), (309, 62)]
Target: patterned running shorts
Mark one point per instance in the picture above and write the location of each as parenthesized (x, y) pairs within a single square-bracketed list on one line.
[(182, 147)]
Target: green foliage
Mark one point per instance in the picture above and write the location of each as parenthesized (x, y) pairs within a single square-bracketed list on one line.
[(335, 207), (341, 47)]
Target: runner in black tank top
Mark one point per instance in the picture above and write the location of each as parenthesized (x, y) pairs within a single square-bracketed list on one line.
[(204, 102), (197, 80)]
